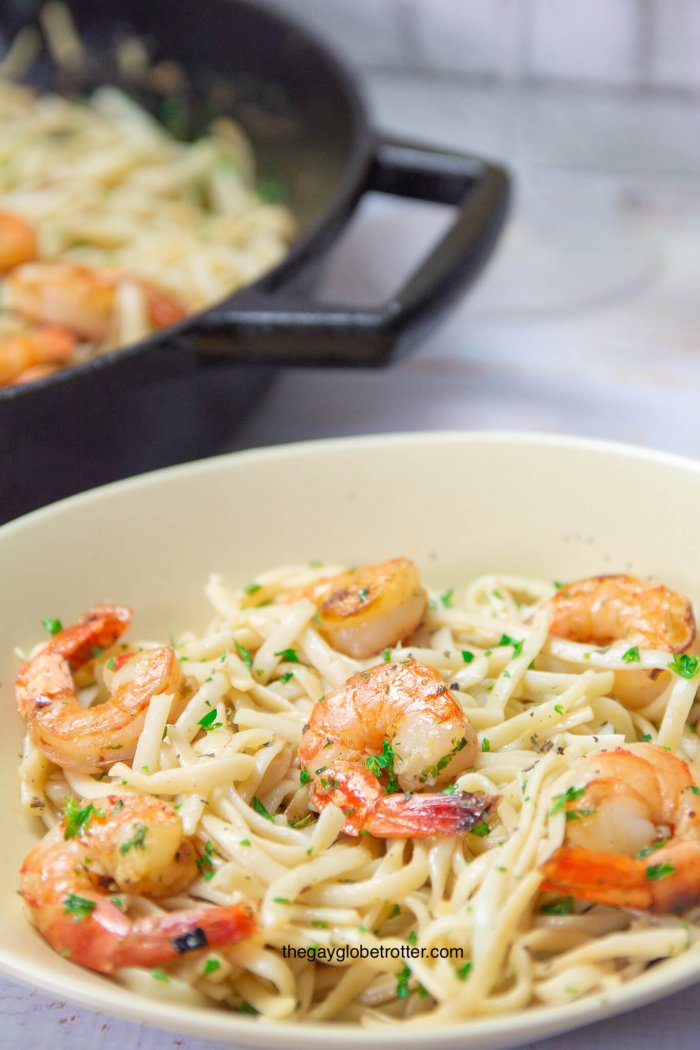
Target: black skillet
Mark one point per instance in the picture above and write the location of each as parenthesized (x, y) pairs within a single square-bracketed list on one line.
[(179, 394)]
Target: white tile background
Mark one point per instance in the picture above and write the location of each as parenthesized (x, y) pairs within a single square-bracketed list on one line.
[(624, 43)]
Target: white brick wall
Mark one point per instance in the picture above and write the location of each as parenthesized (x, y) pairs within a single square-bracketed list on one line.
[(627, 43)]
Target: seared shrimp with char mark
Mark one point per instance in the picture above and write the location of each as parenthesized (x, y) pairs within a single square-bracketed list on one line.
[(369, 609), (92, 739), (397, 724), (133, 845), (632, 832), (601, 610)]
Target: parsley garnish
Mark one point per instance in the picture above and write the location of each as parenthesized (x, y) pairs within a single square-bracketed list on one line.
[(695, 790), (247, 1008), (287, 677), (684, 665), (51, 625), (486, 744), (396, 910), (378, 764), (646, 737), (304, 777), (481, 829), (251, 588), (207, 721), (77, 818), (363, 594), (467, 656), (517, 644), (559, 709), (561, 906), (244, 842), (402, 982), (244, 654), (442, 763), (139, 839), (160, 975), (79, 907), (110, 663), (560, 801), (290, 655), (660, 871), (652, 849), (281, 900), (211, 966), (447, 597), (206, 868), (386, 655), (464, 971), (260, 809), (632, 655)]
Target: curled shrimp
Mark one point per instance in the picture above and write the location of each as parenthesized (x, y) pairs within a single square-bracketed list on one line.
[(83, 298), (632, 832), (133, 845), (369, 609), (34, 352), (18, 241), (89, 740), (604, 609), (396, 725)]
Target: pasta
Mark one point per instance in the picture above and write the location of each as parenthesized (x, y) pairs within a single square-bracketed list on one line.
[(427, 930)]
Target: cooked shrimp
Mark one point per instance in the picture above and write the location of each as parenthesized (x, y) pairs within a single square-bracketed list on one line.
[(36, 348), (632, 832), (370, 608), (18, 241), (88, 740), (398, 722), (82, 298), (605, 609), (132, 845)]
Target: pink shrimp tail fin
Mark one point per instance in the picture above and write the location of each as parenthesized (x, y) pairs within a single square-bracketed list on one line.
[(603, 878), (370, 809), (151, 942)]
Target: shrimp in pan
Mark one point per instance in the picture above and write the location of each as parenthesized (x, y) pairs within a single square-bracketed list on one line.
[(34, 352), (604, 609), (386, 733), (133, 845), (369, 609), (18, 241), (632, 832), (89, 740)]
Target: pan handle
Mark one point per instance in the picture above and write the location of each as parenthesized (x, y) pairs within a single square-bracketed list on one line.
[(265, 324)]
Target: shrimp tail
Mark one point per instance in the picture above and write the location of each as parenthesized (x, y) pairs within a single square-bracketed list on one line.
[(153, 941), (603, 878), (369, 808)]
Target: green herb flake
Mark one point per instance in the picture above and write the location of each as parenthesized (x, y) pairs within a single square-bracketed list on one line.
[(646, 737), (516, 643), (481, 830), (160, 975), (695, 790), (245, 654), (138, 841), (319, 924), (208, 723), (363, 594), (110, 663), (251, 588), (660, 871), (447, 597), (486, 744), (246, 1008), (560, 906), (378, 764), (281, 900), (412, 937), (684, 665), (260, 809), (402, 980), (561, 801), (464, 971), (559, 709), (396, 910), (386, 655), (304, 777), (204, 862), (290, 655), (245, 842), (467, 656), (631, 656), (651, 849), (287, 677), (78, 817), (50, 624), (79, 907), (211, 966)]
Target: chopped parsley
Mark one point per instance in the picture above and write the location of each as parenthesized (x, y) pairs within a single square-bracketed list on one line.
[(363, 594), (319, 924), (245, 654), (517, 644), (378, 764), (481, 830), (246, 1008), (442, 763), (138, 841), (695, 790), (447, 597), (412, 937), (77, 818), (386, 655), (260, 809), (51, 625), (559, 709), (251, 588), (304, 777), (660, 871), (305, 822), (560, 906), (79, 907), (486, 744), (110, 663), (204, 863), (211, 966), (290, 655), (208, 723), (652, 849), (396, 910), (561, 801), (464, 971), (281, 900), (287, 677), (245, 842), (646, 737), (160, 975), (684, 665), (402, 980), (467, 656), (632, 655)]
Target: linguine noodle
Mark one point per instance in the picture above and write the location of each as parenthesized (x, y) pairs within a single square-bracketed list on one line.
[(485, 940)]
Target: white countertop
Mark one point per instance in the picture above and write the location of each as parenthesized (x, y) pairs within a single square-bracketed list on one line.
[(587, 322)]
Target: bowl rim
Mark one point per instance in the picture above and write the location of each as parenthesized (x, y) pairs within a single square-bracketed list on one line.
[(80, 986)]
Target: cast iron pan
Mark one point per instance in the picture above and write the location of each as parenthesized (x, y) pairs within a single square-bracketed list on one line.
[(179, 394)]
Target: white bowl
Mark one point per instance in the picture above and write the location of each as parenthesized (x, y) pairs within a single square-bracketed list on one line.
[(459, 504)]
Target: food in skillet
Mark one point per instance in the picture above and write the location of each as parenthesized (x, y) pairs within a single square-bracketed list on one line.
[(351, 798), (111, 228)]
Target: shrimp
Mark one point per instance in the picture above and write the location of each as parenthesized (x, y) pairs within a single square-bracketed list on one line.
[(604, 609), (369, 609), (33, 350), (18, 241), (632, 832), (82, 298), (89, 740), (398, 722), (133, 845)]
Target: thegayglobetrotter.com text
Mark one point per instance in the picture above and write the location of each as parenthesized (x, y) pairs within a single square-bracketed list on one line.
[(344, 953)]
